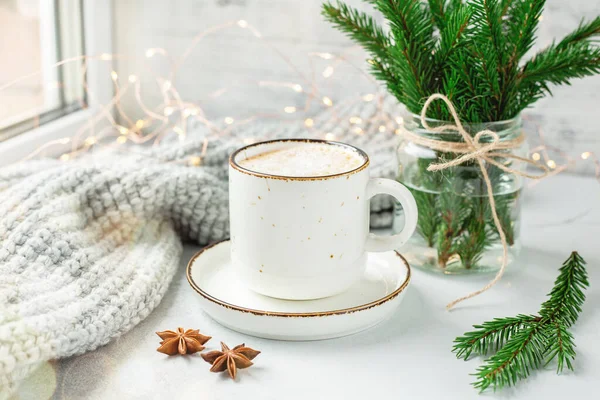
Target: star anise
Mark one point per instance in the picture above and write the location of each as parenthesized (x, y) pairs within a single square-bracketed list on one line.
[(182, 342), (230, 359)]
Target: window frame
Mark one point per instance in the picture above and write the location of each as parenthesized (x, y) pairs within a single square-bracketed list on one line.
[(97, 40)]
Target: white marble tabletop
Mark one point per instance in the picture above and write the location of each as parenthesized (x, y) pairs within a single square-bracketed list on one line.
[(406, 357)]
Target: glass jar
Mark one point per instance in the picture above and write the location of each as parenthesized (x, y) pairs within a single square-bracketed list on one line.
[(455, 231)]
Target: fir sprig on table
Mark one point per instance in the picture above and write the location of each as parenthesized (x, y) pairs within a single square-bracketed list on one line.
[(526, 342), (471, 51)]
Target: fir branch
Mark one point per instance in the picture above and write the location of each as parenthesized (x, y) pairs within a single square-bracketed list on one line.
[(525, 342), (556, 66), (514, 361), (524, 18), (567, 297), (583, 32), (560, 347), (451, 34), (359, 26), (438, 12), (490, 336)]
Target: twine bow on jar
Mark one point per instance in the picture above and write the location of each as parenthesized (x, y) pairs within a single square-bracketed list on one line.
[(483, 151)]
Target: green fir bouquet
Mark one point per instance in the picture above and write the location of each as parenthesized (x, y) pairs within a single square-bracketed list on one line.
[(474, 53)]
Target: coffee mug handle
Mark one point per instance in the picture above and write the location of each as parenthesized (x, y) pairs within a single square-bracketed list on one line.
[(377, 243)]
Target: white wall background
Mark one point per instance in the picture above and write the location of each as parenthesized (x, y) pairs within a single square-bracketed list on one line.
[(234, 57)]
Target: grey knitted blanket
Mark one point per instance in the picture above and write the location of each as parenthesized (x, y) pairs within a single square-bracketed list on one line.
[(88, 247)]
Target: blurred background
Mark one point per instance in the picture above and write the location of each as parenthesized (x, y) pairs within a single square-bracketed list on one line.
[(270, 55)]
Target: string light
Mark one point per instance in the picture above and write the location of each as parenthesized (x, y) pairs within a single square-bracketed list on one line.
[(172, 102)]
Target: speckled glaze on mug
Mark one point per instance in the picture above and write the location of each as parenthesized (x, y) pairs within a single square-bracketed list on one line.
[(302, 238)]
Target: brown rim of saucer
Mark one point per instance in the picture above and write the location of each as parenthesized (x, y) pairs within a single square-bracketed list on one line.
[(395, 293), (241, 169)]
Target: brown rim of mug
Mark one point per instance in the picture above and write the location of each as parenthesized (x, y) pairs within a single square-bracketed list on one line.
[(363, 307), (241, 169)]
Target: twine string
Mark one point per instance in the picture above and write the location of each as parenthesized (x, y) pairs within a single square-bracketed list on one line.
[(483, 151)]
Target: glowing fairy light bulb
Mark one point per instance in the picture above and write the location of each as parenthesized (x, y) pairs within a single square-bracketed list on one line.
[(382, 128), (355, 120), (290, 109), (167, 85), (329, 136), (90, 141), (228, 120), (105, 57), (139, 123), (114, 75), (398, 132), (327, 101), (195, 161), (325, 56), (122, 139), (122, 130), (132, 78), (551, 164), (327, 72), (368, 97), (309, 122), (242, 23), (585, 155), (65, 157), (399, 120), (358, 130), (179, 133), (150, 53), (297, 88), (168, 111), (536, 156)]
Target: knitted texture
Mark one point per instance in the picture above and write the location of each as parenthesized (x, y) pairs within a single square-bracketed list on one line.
[(89, 247)]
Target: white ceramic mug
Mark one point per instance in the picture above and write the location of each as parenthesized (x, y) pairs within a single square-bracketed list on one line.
[(306, 237)]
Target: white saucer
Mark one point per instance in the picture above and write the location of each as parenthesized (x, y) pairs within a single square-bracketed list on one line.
[(224, 298)]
